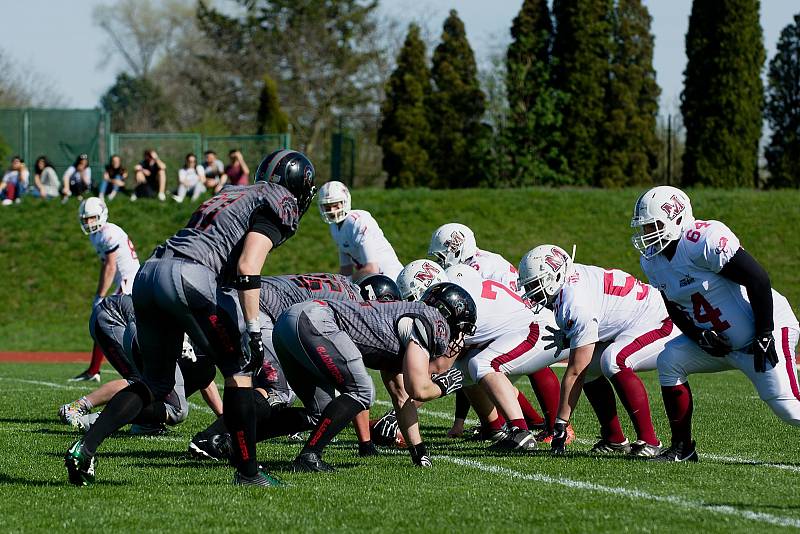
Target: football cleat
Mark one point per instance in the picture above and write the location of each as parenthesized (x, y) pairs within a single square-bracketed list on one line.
[(604, 446), (80, 466), (678, 452), (85, 422), (546, 436), (311, 462), (69, 413), (642, 449), (367, 448), (85, 377), (217, 447), (479, 433), (148, 430), (262, 479), (516, 440)]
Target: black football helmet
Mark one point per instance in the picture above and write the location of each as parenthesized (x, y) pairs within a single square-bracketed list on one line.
[(294, 171), (379, 287), (456, 306)]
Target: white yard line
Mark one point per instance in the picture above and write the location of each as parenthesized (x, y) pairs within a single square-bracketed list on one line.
[(673, 500), (41, 383)]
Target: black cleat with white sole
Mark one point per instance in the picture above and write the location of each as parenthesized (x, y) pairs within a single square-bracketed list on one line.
[(218, 447), (311, 462), (678, 452), (517, 440)]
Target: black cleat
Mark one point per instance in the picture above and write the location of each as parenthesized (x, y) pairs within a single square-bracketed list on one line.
[(604, 446), (262, 479), (479, 433), (678, 452), (218, 447), (80, 466), (311, 462), (516, 440)]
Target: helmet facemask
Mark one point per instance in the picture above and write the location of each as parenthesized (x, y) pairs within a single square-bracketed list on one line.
[(334, 202), (659, 217), (536, 292), (650, 238)]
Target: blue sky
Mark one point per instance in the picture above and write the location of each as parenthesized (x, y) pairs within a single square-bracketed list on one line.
[(58, 38)]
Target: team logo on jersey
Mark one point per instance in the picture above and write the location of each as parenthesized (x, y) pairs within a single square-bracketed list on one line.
[(439, 328), (289, 206), (427, 274), (455, 241), (556, 259), (673, 208), (688, 280), (723, 244)]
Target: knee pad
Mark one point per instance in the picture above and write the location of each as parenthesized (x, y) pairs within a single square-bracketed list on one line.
[(143, 391), (364, 398), (176, 414), (608, 365)]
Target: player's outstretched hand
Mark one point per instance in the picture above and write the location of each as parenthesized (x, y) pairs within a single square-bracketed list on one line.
[(559, 443), (714, 343), (763, 351), (386, 426), (256, 352), (420, 456), (449, 381), (558, 338)]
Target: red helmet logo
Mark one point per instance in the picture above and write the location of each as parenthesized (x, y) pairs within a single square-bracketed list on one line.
[(557, 260), (673, 208), (427, 274), (455, 241)]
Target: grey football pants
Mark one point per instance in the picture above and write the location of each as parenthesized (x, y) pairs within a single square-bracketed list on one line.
[(319, 358)]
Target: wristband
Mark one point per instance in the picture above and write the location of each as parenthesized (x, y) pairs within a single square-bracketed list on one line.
[(254, 325), (244, 282)]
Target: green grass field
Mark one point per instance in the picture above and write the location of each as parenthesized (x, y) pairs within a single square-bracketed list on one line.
[(746, 480)]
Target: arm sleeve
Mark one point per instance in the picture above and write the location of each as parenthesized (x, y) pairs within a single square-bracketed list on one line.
[(743, 269), (268, 226), (412, 329)]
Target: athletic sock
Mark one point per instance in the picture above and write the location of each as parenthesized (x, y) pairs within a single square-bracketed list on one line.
[(153, 414), (85, 403), (531, 415), (121, 410), (240, 418), (462, 405), (601, 397), (679, 406), (519, 423), (218, 426), (283, 423), (97, 360), (497, 424), (336, 415), (547, 389), (633, 396)]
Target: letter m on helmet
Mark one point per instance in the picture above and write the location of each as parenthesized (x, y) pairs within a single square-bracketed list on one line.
[(673, 208), (556, 259), (455, 241), (427, 272)]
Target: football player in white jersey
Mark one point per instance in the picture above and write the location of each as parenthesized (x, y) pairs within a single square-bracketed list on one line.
[(118, 264), (363, 249), (615, 325), (453, 244), (723, 302)]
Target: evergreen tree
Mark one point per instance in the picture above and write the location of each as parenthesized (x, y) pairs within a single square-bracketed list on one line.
[(137, 105), (581, 51), (723, 96), (404, 134), (534, 116), (270, 117), (783, 109), (455, 110), (629, 132)]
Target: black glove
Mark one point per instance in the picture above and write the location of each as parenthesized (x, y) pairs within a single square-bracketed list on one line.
[(419, 455), (559, 443), (559, 340), (763, 350), (714, 343), (256, 353), (385, 429), (367, 448), (449, 381)]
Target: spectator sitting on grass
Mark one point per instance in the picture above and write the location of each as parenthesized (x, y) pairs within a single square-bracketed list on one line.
[(113, 178), (237, 171), (77, 178), (215, 172), (151, 176), (14, 182), (190, 179), (45, 179)]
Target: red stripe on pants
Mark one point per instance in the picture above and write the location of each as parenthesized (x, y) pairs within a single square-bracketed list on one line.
[(519, 350), (642, 341), (790, 369)]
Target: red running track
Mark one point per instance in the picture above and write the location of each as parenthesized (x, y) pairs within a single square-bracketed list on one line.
[(45, 357)]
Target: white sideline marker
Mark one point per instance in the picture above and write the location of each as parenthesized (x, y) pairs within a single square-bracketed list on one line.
[(625, 492)]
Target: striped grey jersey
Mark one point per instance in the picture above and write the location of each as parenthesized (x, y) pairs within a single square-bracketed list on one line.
[(279, 293), (117, 308), (214, 235), (372, 326)]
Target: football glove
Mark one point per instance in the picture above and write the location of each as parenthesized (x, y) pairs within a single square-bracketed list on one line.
[(559, 443), (714, 343), (367, 448), (256, 352), (386, 426), (449, 381), (763, 351), (420, 456), (559, 340)]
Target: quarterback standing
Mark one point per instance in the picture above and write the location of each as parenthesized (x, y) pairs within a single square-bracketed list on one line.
[(723, 302), (224, 244), (363, 249), (118, 265)]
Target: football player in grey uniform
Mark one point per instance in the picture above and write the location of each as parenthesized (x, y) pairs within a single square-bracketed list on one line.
[(224, 244), (327, 346)]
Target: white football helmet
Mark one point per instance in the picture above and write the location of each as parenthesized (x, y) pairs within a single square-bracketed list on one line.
[(92, 208), (543, 272), (451, 244), (418, 276), (659, 217), (330, 194)]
